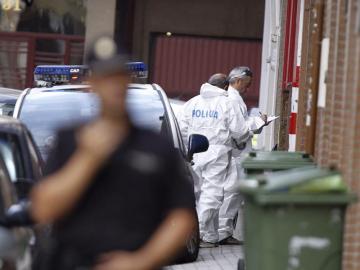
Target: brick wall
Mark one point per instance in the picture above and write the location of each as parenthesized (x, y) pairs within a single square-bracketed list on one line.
[(338, 124), (351, 143)]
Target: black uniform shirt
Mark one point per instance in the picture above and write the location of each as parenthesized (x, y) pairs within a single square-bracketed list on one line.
[(128, 199)]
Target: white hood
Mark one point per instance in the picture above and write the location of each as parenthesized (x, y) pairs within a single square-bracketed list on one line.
[(208, 91)]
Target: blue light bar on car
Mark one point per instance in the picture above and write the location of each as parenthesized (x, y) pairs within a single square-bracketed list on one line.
[(64, 74), (137, 69), (60, 74)]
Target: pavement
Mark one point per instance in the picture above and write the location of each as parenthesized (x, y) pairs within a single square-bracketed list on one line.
[(220, 258)]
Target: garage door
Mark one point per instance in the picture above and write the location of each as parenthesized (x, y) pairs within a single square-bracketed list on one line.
[(180, 64)]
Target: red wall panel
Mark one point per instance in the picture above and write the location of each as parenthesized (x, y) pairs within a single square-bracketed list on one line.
[(182, 63)]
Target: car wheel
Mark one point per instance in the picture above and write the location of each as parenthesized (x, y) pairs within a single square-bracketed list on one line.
[(190, 254)]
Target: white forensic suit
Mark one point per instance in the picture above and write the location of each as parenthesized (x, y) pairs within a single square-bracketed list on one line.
[(232, 200), (215, 116)]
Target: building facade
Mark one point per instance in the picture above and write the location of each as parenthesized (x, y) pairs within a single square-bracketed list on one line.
[(327, 122), (337, 130), (184, 42)]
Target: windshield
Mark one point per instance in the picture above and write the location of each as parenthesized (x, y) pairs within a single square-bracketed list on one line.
[(7, 109), (47, 112), (7, 104)]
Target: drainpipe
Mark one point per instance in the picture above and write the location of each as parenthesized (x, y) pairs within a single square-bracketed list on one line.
[(295, 83)]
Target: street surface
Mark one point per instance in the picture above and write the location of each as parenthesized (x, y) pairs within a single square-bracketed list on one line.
[(220, 258)]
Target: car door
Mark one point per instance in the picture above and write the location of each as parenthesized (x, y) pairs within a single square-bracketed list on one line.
[(14, 157), (21, 158), (7, 198), (13, 242), (192, 247), (193, 176)]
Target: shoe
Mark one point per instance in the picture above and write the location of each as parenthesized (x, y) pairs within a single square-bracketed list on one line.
[(204, 244), (231, 241)]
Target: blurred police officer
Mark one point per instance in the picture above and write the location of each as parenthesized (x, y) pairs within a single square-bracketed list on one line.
[(116, 193)]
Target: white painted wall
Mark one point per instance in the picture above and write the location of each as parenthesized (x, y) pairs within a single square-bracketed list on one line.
[(269, 69), (100, 19)]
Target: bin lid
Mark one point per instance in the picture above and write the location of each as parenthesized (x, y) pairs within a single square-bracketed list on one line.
[(308, 185), (291, 155), (305, 199), (276, 160), (274, 165)]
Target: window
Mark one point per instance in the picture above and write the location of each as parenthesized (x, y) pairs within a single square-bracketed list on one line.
[(147, 110), (35, 161), (7, 195), (46, 113), (10, 151), (6, 109), (183, 147), (2, 203)]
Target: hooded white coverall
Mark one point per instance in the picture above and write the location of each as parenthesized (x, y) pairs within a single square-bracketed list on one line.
[(232, 200), (215, 116)]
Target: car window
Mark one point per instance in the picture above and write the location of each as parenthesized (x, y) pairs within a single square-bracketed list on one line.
[(10, 151), (147, 110), (46, 113), (7, 195), (35, 160), (182, 146), (6, 109), (2, 203)]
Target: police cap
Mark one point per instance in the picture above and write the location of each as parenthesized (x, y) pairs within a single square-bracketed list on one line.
[(105, 57)]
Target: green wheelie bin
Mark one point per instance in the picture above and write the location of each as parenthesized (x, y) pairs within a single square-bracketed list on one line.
[(294, 220), (261, 162)]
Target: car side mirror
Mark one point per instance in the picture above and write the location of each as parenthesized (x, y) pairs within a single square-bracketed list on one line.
[(23, 187), (197, 144), (18, 215)]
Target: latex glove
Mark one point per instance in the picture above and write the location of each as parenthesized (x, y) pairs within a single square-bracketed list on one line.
[(264, 118)]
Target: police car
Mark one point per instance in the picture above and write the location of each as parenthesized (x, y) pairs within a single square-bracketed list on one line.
[(62, 98)]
